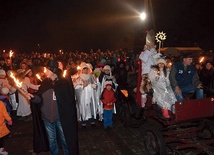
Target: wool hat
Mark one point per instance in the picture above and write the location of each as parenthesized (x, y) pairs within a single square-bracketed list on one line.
[(2, 72), (108, 83), (52, 66), (100, 64), (161, 60), (107, 67)]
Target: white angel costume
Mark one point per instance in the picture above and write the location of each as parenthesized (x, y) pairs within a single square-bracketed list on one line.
[(163, 94), (86, 102)]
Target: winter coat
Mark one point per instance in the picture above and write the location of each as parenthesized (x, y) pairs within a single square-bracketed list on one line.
[(108, 99), (64, 92), (3, 116)]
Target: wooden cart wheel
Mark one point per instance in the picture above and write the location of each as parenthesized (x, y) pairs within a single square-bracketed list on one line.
[(154, 142)]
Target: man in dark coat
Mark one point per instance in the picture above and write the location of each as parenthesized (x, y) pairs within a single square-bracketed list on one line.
[(58, 110)]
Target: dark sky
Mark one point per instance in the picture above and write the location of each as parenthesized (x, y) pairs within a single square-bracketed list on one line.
[(105, 24)]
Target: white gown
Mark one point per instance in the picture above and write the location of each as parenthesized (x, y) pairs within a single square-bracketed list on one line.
[(163, 94), (24, 103), (85, 96)]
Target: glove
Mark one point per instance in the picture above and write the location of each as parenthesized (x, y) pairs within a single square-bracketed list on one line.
[(10, 122)]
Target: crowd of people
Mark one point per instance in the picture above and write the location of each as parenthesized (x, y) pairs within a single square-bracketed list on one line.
[(86, 91)]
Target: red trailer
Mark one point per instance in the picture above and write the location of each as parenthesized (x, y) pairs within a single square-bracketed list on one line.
[(189, 131)]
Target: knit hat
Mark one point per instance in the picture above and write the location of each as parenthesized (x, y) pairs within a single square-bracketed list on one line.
[(161, 60), (2, 72), (100, 64), (52, 66), (108, 83)]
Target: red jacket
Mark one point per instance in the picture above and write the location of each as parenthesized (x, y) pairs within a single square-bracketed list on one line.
[(108, 99)]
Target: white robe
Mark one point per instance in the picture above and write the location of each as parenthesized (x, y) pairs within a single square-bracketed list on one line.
[(24, 103), (148, 58), (163, 94), (85, 96)]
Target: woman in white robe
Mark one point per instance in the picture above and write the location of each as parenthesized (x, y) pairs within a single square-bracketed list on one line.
[(163, 94)]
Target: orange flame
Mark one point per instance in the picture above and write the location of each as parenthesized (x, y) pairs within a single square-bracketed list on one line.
[(39, 77)]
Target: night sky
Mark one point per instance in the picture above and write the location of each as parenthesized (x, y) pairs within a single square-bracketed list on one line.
[(50, 25)]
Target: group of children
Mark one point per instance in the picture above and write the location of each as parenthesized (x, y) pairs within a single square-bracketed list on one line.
[(94, 95)]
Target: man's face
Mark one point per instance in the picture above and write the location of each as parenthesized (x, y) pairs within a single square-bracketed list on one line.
[(187, 61)]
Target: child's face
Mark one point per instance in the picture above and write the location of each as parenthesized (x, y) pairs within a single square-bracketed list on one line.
[(108, 87)]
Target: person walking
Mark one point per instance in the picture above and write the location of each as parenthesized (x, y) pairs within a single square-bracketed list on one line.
[(108, 99)]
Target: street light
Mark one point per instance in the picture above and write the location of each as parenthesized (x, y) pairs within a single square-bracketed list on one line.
[(143, 16)]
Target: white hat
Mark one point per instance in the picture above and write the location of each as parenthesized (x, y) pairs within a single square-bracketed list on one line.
[(107, 67), (161, 60), (83, 65), (89, 65), (2, 72), (108, 83), (4, 91)]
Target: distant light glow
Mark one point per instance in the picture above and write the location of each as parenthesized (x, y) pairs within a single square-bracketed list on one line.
[(143, 16)]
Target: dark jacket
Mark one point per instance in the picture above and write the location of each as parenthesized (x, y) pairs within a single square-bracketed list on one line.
[(66, 104), (183, 76)]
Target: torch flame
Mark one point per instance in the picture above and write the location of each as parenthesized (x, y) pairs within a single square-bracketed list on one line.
[(78, 68), (201, 60), (37, 75), (64, 73), (11, 53), (45, 70), (18, 84)]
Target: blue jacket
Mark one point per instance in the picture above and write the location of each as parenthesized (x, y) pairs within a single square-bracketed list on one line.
[(184, 75)]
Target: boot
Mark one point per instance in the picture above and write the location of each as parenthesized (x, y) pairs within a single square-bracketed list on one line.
[(165, 113)]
